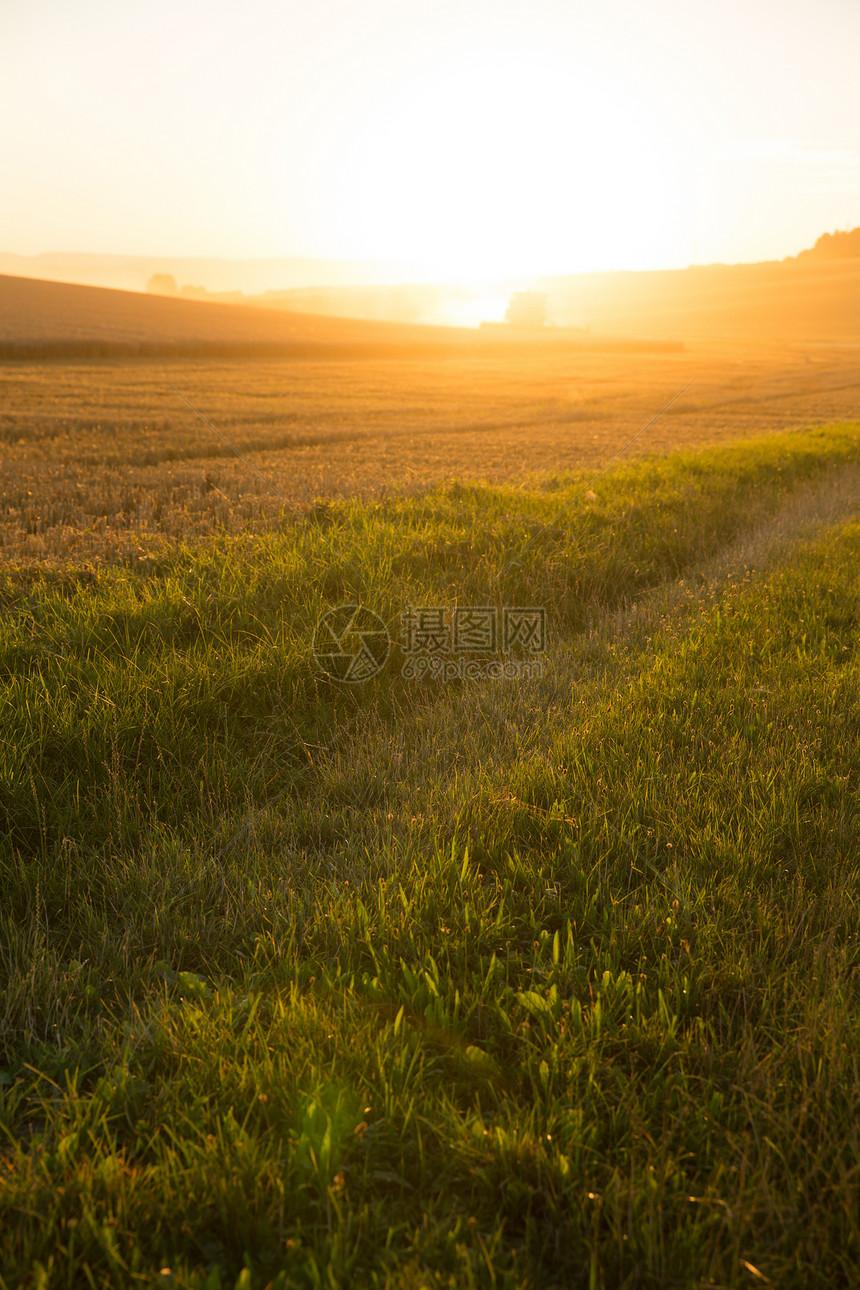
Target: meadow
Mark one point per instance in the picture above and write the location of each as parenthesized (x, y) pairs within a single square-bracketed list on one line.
[(538, 983)]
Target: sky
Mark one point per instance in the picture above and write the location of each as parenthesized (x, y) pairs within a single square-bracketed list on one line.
[(459, 138)]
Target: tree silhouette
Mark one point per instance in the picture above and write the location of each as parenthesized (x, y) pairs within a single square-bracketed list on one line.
[(162, 284)]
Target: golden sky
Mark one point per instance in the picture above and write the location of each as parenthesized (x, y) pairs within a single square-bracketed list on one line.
[(461, 138)]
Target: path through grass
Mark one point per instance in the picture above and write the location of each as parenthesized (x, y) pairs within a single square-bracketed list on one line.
[(419, 985)]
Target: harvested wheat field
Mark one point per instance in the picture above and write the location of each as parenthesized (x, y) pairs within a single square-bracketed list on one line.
[(103, 457)]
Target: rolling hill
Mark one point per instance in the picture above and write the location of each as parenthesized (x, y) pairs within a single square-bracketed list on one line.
[(809, 299), (41, 319), (57, 317)]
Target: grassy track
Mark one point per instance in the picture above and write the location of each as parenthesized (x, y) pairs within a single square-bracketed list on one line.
[(545, 984)]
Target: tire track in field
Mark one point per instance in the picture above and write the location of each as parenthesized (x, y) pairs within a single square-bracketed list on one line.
[(486, 740), (807, 512)]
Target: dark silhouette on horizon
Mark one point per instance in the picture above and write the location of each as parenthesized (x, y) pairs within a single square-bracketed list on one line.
[(834, 246)]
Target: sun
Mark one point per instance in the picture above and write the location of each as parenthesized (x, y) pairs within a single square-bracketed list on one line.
[(508, 164)]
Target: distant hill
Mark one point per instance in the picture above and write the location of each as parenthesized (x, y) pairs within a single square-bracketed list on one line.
[(834, 246), (64, 318), (812, 298), (41, 319), (815, 296), (804, 299)]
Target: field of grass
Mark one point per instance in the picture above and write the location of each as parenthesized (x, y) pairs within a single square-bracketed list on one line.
[(540, 983)]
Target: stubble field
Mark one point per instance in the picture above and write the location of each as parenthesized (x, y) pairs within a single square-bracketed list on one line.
[(101, 458)]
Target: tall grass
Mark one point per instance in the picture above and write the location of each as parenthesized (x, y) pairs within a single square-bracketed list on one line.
[(427, 986)]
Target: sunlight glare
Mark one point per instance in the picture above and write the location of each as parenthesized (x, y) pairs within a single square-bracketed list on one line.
[(511, 165)]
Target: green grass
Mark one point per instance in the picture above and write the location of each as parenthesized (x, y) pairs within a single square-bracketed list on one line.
[(552, 984)]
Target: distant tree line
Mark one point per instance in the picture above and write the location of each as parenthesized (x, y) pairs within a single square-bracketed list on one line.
[(164, 284), (835, 246)]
